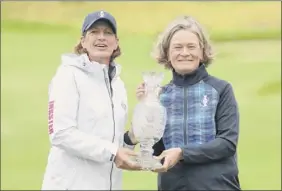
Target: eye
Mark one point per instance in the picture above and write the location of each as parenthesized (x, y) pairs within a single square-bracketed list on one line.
[(177, 47), (94, 32), (192, 47), (108, 32)]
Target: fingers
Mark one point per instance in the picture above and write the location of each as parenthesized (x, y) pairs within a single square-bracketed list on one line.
[(140, 91), (161, 156), (166, 164), (162, 169), (134, 166), (141, 86), (140, 94), (130, 165), (131, 152)]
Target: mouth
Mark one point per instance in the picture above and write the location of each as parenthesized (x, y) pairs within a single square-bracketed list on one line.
[(102, 46), (185, 60)]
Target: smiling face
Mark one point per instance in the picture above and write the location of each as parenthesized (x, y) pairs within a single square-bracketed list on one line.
[(185, 52), (100, 42)]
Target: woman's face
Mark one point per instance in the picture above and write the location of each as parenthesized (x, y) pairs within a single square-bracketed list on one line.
[(100, 42), (185, 52)]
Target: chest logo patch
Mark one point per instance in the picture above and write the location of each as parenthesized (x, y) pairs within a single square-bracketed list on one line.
[(205, 101)]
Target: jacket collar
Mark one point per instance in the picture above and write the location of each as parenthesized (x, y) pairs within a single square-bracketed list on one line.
[(82, 61), (189, 79)]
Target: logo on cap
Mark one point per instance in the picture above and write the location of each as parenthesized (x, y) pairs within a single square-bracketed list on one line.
[(102, 14)]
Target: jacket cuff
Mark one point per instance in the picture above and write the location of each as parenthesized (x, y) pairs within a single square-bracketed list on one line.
[(127, 140), (113, 152)]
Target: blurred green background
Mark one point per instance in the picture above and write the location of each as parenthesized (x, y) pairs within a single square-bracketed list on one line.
[(247, 40)]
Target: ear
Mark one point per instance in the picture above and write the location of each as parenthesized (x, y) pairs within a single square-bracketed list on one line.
[(117, 43), (82, 41)]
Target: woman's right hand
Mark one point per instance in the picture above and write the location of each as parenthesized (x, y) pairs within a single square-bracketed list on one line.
[(123, 159)]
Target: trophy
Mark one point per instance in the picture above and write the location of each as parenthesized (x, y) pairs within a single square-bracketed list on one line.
[(149, 120)]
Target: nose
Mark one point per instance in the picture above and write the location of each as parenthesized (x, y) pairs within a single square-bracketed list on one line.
[(101, 36), (185, 52)]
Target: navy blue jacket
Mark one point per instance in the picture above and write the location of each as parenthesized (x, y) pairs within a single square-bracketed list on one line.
[(203, 120)]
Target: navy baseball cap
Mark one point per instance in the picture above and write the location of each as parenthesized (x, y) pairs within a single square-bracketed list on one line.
[(91, 18)]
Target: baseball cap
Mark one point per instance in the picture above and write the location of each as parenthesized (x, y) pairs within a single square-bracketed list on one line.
[(91, 18)]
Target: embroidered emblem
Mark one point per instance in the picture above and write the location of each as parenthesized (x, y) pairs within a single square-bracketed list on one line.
[(205, 101), (102, 14), (150, 118)]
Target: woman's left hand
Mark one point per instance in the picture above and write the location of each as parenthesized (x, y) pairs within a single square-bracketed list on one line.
[(140, 91), (171, 158)]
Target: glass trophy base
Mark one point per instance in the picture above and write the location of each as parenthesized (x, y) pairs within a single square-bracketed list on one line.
[(148, 163)]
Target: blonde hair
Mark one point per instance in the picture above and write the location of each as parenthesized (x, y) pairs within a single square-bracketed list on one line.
[(160, 51), (78, 49)]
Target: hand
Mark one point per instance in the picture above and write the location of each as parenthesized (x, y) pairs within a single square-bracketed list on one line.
[(123, 161), (141, 91), (171, 158)]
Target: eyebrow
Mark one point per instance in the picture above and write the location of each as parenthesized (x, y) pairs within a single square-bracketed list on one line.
[(105, 29), (178, 44)]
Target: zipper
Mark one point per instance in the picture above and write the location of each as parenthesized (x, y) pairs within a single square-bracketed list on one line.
[(108, 84), (185, 116)]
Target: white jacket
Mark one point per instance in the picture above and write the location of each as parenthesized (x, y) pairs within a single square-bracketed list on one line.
[(86, 126)]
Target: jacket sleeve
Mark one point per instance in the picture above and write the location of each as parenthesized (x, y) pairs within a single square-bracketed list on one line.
[(63, 129), (127, 143), (126, 140), (227, 126)]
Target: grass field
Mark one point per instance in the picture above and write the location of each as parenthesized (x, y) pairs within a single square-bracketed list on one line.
[(250, 60)]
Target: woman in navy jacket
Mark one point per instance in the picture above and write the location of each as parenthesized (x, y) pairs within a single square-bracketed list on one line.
[(199, 144)]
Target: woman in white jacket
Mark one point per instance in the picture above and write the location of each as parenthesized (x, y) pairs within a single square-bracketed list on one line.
[(88, 112)]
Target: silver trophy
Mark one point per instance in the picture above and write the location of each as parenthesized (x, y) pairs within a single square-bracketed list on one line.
[(149, 119)]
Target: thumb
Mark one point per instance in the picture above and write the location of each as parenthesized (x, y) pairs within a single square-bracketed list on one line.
[(166, 164), (161, 156)]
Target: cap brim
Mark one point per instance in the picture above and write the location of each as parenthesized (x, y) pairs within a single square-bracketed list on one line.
[(101, 19)]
